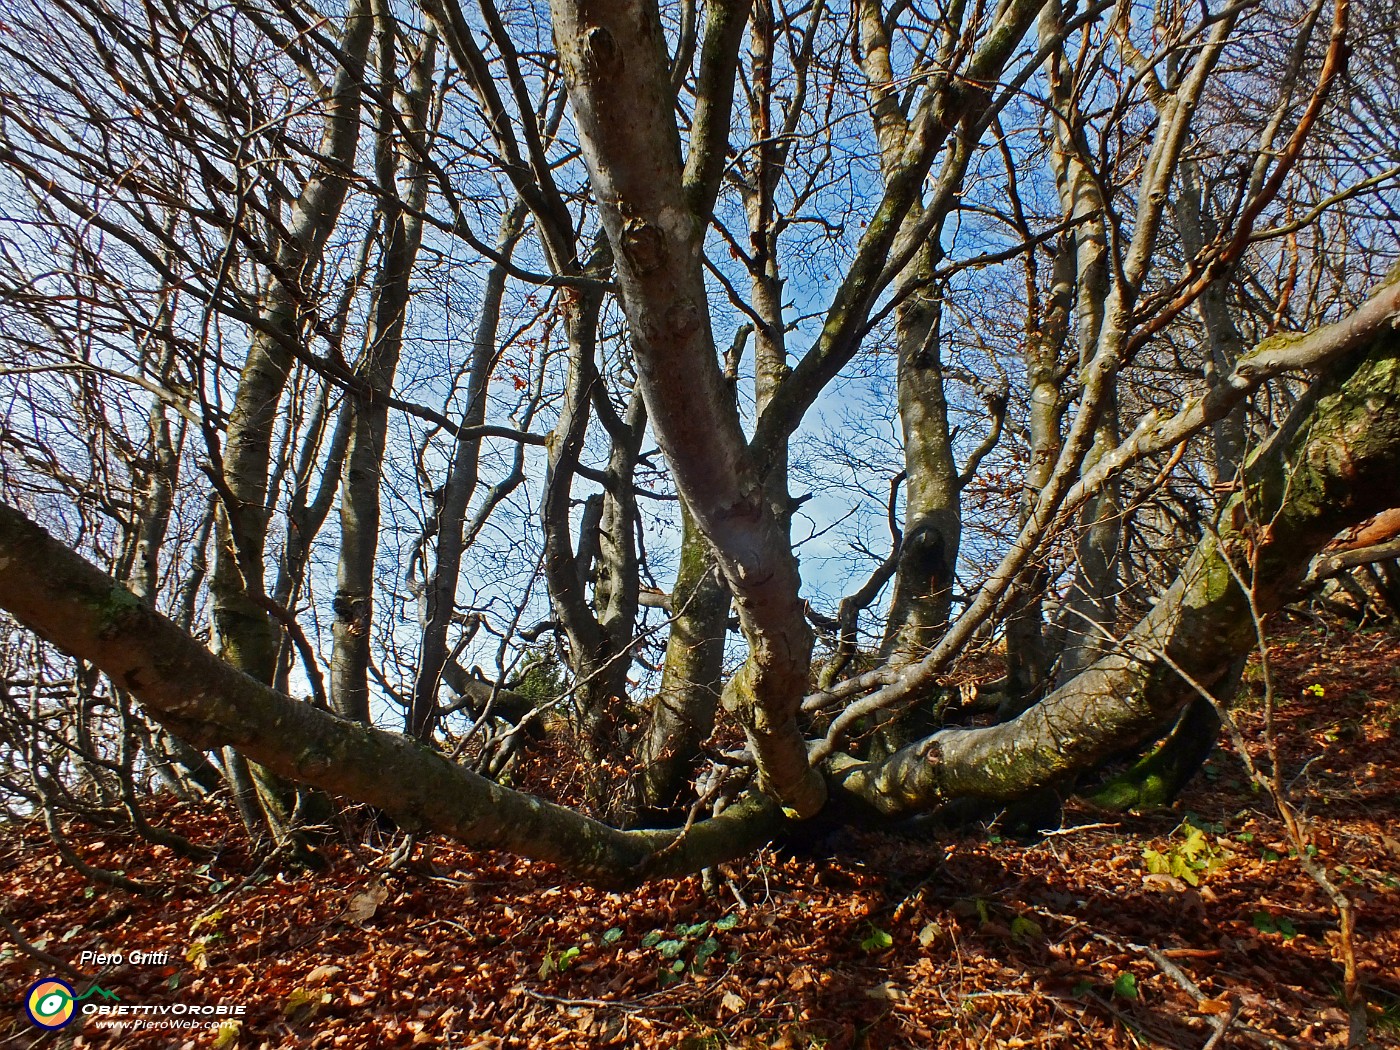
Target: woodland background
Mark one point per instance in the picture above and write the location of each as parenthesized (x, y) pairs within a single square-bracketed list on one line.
[(852, 495)]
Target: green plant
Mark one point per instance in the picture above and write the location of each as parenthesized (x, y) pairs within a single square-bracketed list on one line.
[(304, 1004), (1186, 859), (1266, 923), (877, 940), (690, 948), (210, 919), (544, 679), (1383, 1010), (1025, 930), (557, 962)]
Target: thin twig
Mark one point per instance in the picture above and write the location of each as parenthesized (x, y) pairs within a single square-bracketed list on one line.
[(1078, 828)]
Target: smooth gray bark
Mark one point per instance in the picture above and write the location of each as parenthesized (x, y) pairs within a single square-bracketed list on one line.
[(364, 458)]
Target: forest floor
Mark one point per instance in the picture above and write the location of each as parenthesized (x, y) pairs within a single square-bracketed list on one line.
[(884, 941)]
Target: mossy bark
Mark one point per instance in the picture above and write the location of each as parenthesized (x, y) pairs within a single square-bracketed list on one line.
[(683, 714), (1330, 466), (928, 557), (1156, 778)]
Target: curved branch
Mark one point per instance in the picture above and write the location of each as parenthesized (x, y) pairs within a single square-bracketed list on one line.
[(1330, 466), (211, 704)]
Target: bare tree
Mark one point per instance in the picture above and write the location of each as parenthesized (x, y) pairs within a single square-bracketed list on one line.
[(459, 335)]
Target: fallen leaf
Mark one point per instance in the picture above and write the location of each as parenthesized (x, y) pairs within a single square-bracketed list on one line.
[(885, 990), (362, 906), (321, 975), (1162, 882)]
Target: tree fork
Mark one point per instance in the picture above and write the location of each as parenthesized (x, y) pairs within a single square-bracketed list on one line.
[(1330, 467)]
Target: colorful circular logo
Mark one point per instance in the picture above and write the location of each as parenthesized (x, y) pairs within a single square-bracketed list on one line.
[(49, 1002)]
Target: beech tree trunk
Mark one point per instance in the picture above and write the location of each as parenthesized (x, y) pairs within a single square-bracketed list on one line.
[(661, 228), (249, 636), (683, 713), (364, 458)]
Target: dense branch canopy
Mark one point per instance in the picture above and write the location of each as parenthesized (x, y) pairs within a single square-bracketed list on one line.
[(706, 390)]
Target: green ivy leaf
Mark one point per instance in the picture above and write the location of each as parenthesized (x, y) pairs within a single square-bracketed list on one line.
[(1266, 923), (705, 950)]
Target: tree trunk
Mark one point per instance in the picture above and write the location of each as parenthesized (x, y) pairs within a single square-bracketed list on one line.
[(683, 713), (928, 556), (249, 638), (1029, 656), (614, 60), (364, 459), (1090, 609), (247, 633), (209, 702), (1330, 467), (438, 598)]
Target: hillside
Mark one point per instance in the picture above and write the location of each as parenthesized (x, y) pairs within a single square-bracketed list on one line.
[(874, 940)]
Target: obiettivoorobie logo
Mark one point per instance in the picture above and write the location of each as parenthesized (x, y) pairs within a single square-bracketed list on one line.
[(50, 1002)]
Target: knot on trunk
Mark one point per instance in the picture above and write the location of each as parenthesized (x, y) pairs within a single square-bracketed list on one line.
[(643, 244), (601, 55)]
